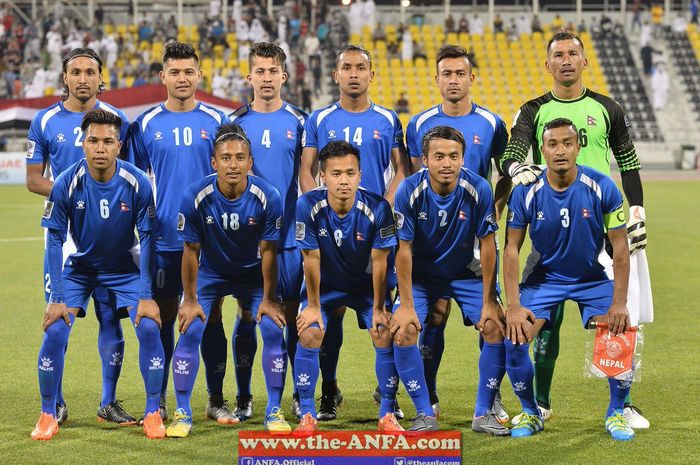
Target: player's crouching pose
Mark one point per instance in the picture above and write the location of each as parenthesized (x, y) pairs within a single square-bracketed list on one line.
[(230, 224), (568, 210), (346, 234), (99, 201)]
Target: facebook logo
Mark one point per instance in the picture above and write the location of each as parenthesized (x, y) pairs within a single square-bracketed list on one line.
[(246, 461)]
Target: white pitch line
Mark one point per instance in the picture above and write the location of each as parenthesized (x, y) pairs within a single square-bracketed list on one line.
[(22, 239)]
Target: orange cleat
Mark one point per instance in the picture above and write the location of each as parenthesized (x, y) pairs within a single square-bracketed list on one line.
[(389, 424), (307, 426), (153, 426), (45, 428)]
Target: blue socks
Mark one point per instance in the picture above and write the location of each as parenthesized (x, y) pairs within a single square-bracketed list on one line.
[(432, 344), (110, 342), (151, 360), (274, 362), (167, 337), (292, 339), (618, 391), (245, 344), (387, 377), (330, 348), (305, 377), (214, 348), (491, 371), (50, 364), (521, 373), (186, 364), (410, 368)]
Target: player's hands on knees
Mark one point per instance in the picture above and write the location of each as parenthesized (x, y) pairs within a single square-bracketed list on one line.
[(274, 310), (307, 317), (519, 321), (187, 313), (380, 317), (401, 319), (618, 319), (147, 308), (524, 173), (492, 311), (55, 312)]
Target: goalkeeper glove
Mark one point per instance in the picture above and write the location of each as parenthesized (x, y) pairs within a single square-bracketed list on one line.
[(636, 228), (524, 173)]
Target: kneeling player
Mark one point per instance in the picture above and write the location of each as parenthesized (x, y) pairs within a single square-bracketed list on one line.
[(230, 225), (99, 201), (568, 210), (346, 235)]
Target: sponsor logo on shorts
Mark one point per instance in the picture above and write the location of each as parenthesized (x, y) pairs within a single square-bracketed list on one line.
[(387, 232)]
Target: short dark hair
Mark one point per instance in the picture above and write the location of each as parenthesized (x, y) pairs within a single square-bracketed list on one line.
[(452, 51), (559, 123), (83, 52), (563, 34), (267, 50), (99, 116), (353, 48), (335, 149), (442, 132), (179, 51), (230, 131)]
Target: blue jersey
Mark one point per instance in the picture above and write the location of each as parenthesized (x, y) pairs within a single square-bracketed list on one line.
[(567, 228), (55, 137), (101, 217), (230, 231), (345, 243), (275, 140), (445, 230), (375, 132), (484, 132), (175, 149)]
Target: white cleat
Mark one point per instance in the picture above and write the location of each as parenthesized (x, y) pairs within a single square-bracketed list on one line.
[(635, 418)]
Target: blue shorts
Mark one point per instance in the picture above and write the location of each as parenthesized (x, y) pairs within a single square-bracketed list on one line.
[(593, 298), (290, 274), (211, 288), (78, 285), (167, 282), (361, 302), (468, 293)]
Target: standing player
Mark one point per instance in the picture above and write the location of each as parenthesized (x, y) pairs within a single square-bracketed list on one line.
[(344, 232), (173, 143), (274, 128), (603, 127), (486, 137), (377, 134), (55, 143), (569, 210), (230, 224), (447, 248), (100, 201)]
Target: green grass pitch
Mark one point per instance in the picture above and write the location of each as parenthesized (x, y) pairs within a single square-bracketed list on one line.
[(668, 393)]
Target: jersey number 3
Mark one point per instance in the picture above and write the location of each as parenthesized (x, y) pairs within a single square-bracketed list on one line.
[(564, 212)]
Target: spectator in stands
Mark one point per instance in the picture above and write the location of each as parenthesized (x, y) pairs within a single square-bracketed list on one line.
[(145, 31), (220, 85), (524, 25), (595, 25), (582, 26), (498, 24), (317, 74), (99, 15), (694, 12), (571, 27), (214, 9), (463, 23), (476, 25), (5, 90), (306, 104), (660, 85), (406, 46), (402, 105), (657, 18), (645, 33), (370, 14), (636, 15), (512, 31), (450, 23), (355, 13), (557, 23), (606, 24), (378, 33), (679, 25), (418, 51), (312, 47), (647, 54)]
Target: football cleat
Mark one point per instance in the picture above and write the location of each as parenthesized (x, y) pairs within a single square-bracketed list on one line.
[(328, 409), (61, 413), (296, 406), (389, 424), (153, 426), (45, 428), (244, 407), (114, 412), (634, 417), (163, 408), (499, 410), (181, 425), (307, 426), (527, 426), (377, 396), (489, 424), (545, 415), (276, 424), (423, 424), (220, 412), (617, 426)]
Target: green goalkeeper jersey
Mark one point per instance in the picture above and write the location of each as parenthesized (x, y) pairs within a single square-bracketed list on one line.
[(602, 127)]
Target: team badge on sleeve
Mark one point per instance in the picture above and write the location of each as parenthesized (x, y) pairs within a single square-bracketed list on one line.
[(511, 215), (31, 145), (300, 231), (398, 217), (180, 222), (278, 223), (48, 210), (491, 218), (151, 211)]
